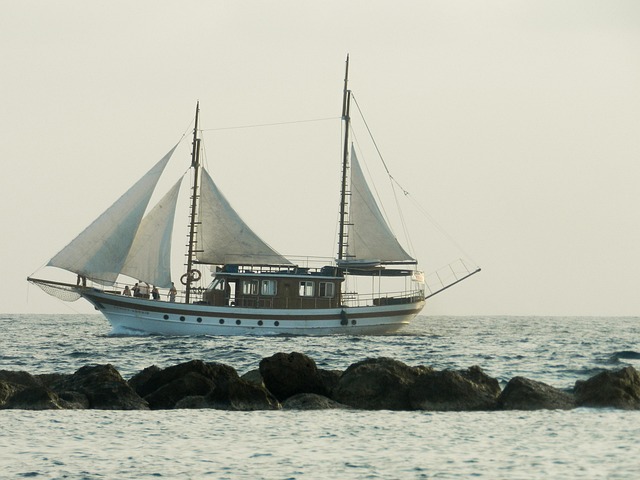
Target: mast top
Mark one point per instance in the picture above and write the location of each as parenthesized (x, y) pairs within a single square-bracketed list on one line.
[(194, 152), (346, 92)]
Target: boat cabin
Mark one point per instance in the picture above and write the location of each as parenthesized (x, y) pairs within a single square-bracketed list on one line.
[(283, 288)]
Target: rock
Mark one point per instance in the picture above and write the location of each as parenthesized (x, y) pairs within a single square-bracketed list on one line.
[(148, 381), (619, 389), (104, 388), (311, 401), (197, 384), (195, 402), (74, 400), (19, 378), (190, 384), (141, 378), (49, 379), (233, 394), (329, 379), (253, 376), (374, 384), (35, 398), (238, 394), (7, 390), (286, 375), (377, 384), (21, 390), (485, 382), (524, 394), (448, 390)]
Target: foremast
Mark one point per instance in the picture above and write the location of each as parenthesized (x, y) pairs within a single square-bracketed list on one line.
[(192, 275), (346, 102)]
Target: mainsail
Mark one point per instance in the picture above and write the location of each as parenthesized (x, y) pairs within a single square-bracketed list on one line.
[(369, 237), (223, 237), (150, 254), (100, 251)]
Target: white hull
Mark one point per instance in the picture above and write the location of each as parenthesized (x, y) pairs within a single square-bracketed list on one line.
[(127, 314)]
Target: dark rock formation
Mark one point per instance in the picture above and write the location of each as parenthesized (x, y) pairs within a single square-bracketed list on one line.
[(11, 383), (329, 379), (21, 390), (254, 377), (7, 390), (197, 384), (187, 385), (311, 401), (524, 394), (377, 384), (448, 390), (620, 389), (104, 388), (238, 394), (35, 398), (19, 378), (287, 374), (295, 380), (142, 377), (153, 378)]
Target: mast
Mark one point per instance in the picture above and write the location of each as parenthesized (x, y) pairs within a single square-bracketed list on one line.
[(346, 101), (195, 164)]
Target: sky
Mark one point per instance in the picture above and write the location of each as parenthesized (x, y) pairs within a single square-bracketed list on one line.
[(513, 124)]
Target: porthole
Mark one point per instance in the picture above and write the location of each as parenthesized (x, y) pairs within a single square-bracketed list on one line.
[(353, 322), (182, 319), (199, 320), (238, 322), (166, 317), (276, 323), (221, 321), (260, 322)]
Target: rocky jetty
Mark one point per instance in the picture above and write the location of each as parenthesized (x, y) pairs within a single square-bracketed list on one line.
[(294, 381)]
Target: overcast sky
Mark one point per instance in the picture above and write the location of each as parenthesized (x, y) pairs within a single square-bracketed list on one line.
[(514, 124)]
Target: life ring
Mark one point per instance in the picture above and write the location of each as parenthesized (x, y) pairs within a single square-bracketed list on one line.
[(191, 276)]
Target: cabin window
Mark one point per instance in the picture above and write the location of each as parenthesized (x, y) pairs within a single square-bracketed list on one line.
[(306, 289), (250, 287), (218, 284), (327, 289), (268, 287)]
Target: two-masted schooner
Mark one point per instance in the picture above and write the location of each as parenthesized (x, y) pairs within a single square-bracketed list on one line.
[(251, 289)]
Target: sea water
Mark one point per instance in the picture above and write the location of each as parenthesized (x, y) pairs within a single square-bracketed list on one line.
[(90, 444)]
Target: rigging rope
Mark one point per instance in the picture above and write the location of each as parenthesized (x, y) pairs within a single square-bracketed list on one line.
[(270, 124), (403, 223), (420, 208)]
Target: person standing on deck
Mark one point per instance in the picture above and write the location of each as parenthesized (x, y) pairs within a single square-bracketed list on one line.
[(172, 293)]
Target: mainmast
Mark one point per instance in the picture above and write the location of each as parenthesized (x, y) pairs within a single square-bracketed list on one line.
[(346, 101), (195, 164)]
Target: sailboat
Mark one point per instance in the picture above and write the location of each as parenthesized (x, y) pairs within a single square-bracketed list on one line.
[(234, 282)]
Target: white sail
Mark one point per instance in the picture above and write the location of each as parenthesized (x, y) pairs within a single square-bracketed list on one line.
[(223, 236), (149, 257), (370, 240), (99, 252)]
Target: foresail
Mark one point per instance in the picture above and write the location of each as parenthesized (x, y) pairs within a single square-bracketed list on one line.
[(149, 257), (99, 252), (369, 237), (223, 237)]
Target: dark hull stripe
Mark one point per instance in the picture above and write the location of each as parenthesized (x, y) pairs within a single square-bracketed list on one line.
[(214, 312)]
